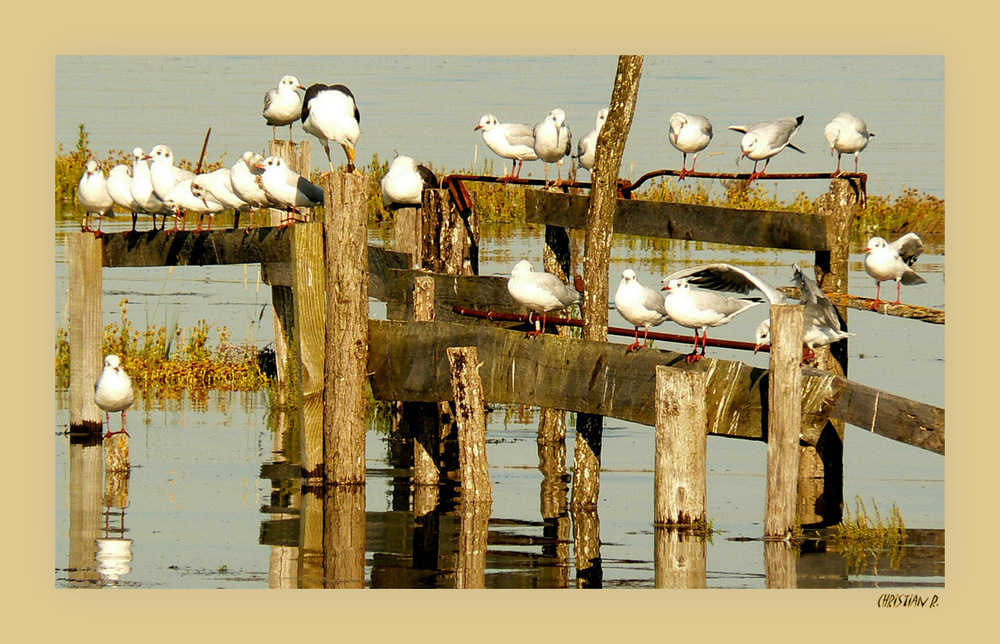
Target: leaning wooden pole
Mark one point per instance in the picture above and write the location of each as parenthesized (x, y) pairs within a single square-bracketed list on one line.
[(784, 420), (597, 256), (680, 488), (86, 296), (347, 276)]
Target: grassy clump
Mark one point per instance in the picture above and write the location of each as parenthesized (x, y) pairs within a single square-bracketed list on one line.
[(861, 537), (179, 359)]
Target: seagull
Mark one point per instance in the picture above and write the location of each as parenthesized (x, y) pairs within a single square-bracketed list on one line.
[(587, 147), (640, 305), (540, 292), (700, 310), (245, 176), (689, 133), (405, 182), (330, 113), (185, 197), (142, 187), (847, 133), (92, 193), (514, 141), (217, 186), (820, 322), (113, 392), (283, 105), (553, 140), (162, 171), (885, 261), (119, 186), (288, 189), (764, 140)]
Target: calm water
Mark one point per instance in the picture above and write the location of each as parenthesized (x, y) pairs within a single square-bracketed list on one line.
[(196, 495)]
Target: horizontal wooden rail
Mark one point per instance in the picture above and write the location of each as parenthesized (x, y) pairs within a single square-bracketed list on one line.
[(910, 311)]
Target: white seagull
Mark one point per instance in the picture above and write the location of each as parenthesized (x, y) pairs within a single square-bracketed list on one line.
[(700, 310), (330, 113), (848, 134), (640, 305), (283, 105), (245, 175), (92, 193), (689, 133), (514, 141), (587, 147), (142, 188), (162, 171), (764, 140), (120, 189), (821, 324), (184, 198), (540, 292), (405, 182), (288, 189), (219, 188), (553, 140), (113, 392), (885, 261)]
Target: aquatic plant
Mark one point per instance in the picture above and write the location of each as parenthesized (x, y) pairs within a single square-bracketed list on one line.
[(863, 537)]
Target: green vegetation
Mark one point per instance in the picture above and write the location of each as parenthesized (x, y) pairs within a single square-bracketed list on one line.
[(499, 203), (158, 359), (863, 537)]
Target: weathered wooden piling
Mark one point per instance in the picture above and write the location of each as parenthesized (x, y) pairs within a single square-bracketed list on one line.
[(423, 417), (347, 276), (86, 298), (680, 487), (784, 419), (470, 417)]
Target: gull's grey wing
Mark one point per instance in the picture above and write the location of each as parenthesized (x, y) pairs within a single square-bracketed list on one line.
[(909, 247), (726, 277)]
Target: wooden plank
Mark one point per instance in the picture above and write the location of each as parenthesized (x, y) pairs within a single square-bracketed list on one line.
[(410, 363), (195, 248), (766, 228), (487, 293)]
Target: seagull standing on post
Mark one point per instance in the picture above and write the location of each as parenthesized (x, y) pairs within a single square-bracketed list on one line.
[(283, 105), (142, 187), (847, 133), (330, 113), (92, 193), (404, 184), (288, 189), (113, 392), (120, 189)]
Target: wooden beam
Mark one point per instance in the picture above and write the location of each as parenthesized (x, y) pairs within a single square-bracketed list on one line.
[(766, 228), (195, 248), (478, 292)]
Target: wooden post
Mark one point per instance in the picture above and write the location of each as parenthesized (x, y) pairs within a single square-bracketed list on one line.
[(86, 298), (424, 416), (600, 226), (309, 308), (679, 494), (784, 419), (347, 276), (557, 257), (471, 419), (409, 235), (346, 524)]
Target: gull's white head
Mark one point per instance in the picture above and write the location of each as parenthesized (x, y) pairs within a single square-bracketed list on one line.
[(161, 154), (523, 267), (762, 335), (628, 275), (488, 122), (112, 362), (291, 82), (875, 243)]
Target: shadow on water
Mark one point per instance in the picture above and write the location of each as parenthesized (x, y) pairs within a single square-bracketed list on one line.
[(392, 534)]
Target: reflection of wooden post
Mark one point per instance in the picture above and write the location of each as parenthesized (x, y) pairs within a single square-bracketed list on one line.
[(86, 299), (311, 556), (309, 337), (345, 536), (587, 542), (471, 418), (84, 508), (780, 565), (470, 568), (557, 260), (426, 528), (784, 419), (554, 503), (116, 471), (680, 559), (347, 277), (679, 491)]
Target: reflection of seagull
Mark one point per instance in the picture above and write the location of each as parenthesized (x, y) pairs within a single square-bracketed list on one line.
[(514, 141), (405, 182), (847, 133), (113, 391), (92, 193), (288, 189), (330, 113), (553, 140), (283, 105), (764, 140), (587, 147), (689, 133), (886, 261), (640, 305), (820, 321), (540, 292)]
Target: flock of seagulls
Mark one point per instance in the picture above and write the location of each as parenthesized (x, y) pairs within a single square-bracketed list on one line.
[(707, 307), (154, 185)]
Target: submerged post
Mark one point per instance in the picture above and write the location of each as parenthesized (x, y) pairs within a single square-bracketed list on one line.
[(347, 276), (86, 295), (679, 494), (471, 420), (422, 417), (784, 419)]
